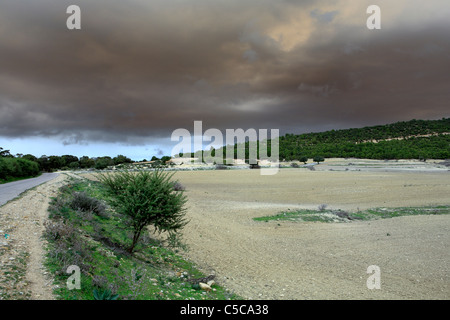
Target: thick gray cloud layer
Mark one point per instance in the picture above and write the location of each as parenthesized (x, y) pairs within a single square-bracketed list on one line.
[(140, 69)]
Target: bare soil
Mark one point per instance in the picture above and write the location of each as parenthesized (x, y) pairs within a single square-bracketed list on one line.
[(314, 260)]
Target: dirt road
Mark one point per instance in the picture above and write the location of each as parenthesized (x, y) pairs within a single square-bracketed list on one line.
[(22, 275)]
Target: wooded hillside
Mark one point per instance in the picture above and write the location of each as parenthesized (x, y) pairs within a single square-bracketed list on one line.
[(415, 139)]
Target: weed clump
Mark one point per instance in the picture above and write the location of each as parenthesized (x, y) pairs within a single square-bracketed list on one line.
[(58, 231), (82, 202), (104, 295), (69, 248), (178, 186)]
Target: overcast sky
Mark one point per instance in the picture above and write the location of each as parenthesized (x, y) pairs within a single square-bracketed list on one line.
[(139, 69)]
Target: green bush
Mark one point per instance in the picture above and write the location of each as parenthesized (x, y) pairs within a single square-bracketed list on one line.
[(17, 168), (28, 168), (74, 165), (103, 163), (2, 169), (147, 198), (318, 159)]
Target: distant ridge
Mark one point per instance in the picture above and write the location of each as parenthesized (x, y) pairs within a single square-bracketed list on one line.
[(414, 139)]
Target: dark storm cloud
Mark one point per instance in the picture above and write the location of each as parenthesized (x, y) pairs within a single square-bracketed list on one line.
[(145, 68)]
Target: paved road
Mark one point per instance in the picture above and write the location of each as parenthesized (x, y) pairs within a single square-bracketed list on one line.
[(11, 190)]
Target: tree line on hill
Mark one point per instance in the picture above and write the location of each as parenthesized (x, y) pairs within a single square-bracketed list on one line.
[(415, 139)]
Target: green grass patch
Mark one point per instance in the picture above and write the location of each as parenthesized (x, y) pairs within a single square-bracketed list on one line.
[(383, 213), (296, 215), (344, 216), (95, 241)]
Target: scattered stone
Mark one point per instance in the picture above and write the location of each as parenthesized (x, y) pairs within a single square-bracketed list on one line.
[(204, 286)]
